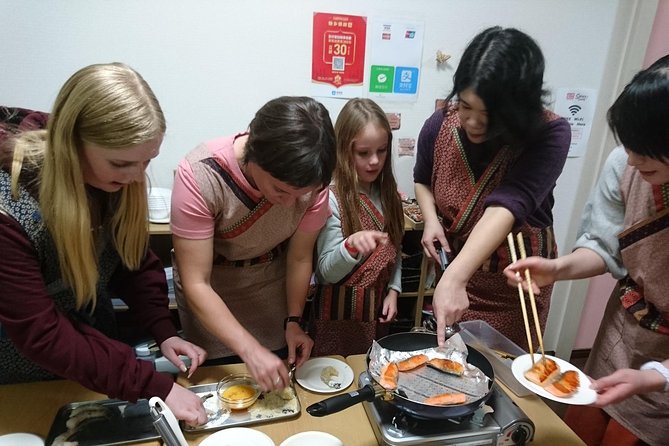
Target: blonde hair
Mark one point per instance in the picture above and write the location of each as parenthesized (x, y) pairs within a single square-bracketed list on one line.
[(111, 106), (355, 115)]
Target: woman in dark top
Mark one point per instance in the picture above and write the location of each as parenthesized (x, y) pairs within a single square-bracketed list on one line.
[(487, 165), (74, 232)]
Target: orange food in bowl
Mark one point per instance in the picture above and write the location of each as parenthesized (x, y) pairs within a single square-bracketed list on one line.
[(238, 391)]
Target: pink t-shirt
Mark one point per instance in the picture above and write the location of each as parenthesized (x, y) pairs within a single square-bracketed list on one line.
[(192, 219)]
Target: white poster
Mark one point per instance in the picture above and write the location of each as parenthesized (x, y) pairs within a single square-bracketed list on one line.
[(577, 106), (395, 51)]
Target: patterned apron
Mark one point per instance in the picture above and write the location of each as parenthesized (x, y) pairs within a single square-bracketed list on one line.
[(634, 326), (459, 198), (345, 320)]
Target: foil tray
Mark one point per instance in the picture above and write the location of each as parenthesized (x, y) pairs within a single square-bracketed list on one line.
[(115, 422)]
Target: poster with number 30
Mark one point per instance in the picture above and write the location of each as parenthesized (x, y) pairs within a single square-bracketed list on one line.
[(338, 55)]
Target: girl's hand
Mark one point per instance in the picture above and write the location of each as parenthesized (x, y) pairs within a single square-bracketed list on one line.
[(624, 383), (543, 272), (389, 310), (172, 347), (186, 406), (365, 242)]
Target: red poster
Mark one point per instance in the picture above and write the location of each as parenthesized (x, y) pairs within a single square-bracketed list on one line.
[(338, 55)]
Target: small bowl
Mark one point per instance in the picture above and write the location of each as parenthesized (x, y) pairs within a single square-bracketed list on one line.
[(238, 391)]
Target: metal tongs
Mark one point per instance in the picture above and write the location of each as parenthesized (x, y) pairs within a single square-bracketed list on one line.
[(166, 423)]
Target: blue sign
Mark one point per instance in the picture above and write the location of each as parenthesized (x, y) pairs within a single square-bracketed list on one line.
[(406, 80)]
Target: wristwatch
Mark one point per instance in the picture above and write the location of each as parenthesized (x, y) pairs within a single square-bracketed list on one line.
[(296, 319), (659, 367)]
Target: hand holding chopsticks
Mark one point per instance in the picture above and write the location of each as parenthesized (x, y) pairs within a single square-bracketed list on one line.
[(521, 295)]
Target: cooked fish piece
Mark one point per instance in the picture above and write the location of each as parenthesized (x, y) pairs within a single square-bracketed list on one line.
[(542, 372), (446, 399), (447, 366), (412, 363), (565, 384), (390, 373)]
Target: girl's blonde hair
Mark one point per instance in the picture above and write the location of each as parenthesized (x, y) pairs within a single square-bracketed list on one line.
[(355, 115), (108, 105)]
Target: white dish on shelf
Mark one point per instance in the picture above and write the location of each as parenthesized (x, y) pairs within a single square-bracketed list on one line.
[(238, 436), (584, 396), (309, 375), (315, 438)]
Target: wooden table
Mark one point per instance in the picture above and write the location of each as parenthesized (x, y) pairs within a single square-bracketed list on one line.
[(32, 408)]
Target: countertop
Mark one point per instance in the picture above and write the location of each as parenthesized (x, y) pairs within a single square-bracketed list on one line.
[(32, 407)]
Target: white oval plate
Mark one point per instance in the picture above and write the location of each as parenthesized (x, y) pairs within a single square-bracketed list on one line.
[(314, 438), (309, 375), (20, 439), (238, 436), (584, 396)]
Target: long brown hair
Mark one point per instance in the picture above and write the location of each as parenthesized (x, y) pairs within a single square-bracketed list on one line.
[(355, 115)]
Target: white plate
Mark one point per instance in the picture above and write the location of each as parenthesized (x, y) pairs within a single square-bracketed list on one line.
[(309, 375), (20, 439), (585, 395), (237, 436), (310, 438)]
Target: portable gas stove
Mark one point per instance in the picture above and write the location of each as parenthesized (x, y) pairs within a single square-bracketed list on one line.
[(498, 422)]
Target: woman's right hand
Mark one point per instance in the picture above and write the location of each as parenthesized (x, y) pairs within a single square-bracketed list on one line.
[(267, 369), (543, 272), (365, 242), (186, 406), (433, 232)]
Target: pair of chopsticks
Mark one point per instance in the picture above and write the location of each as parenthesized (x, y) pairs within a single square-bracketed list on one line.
[(521, 295)]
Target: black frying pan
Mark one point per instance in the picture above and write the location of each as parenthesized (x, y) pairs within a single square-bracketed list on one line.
[(408, 342)]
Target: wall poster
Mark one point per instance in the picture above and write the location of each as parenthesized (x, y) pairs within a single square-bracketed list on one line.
[(577, 106), (396, 48), (338, 55)]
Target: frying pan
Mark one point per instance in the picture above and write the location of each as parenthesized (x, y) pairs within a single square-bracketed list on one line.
[(409, 341)]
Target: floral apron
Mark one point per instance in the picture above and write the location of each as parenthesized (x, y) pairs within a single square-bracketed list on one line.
[(459, 198)]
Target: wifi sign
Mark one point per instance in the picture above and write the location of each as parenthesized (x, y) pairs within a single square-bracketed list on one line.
[(574, 109)]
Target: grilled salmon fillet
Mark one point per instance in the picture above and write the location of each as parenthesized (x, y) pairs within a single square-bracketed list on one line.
[(389, 376), (565, 384), (446, 399), (412, 363), (542, 372), (447, 366)]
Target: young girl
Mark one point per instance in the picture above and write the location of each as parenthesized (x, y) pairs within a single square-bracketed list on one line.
[(358, 268)]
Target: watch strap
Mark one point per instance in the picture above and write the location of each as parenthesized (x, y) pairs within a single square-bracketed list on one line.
[(297, 319)]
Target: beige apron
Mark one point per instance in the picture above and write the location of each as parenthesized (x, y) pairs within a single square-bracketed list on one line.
[(622, 342), (249, 270)]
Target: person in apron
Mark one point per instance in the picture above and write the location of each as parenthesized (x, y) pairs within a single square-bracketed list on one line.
[(74, 234), (358, 269), (625, 231), (246, 211), (486, 165)]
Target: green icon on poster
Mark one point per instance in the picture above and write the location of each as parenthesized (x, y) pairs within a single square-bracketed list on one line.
[(381, 79)]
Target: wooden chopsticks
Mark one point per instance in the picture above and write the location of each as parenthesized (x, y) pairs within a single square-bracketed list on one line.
[(521, 295)]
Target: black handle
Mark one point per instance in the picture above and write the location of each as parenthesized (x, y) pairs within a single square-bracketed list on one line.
[(340, 402)]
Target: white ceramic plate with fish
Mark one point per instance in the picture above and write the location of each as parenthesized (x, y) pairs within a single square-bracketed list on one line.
[(583, 396), (318, 375)]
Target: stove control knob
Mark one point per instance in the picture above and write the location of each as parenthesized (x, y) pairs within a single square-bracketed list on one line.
[(520, 436)]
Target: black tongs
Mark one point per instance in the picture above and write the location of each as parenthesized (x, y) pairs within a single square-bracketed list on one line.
[(443, 259)]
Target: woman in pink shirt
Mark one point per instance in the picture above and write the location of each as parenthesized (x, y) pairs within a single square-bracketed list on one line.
[(246, 212)]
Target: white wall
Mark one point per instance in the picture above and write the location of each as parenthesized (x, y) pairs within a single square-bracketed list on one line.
[(212, 63)]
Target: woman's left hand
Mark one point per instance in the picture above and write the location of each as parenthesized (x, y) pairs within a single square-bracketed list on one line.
[(299, 345), (624, 383), (175, 346)]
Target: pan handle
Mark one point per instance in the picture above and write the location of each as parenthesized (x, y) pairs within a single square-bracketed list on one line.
[(340, 402)]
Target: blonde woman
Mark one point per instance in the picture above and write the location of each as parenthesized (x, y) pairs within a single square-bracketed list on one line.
[(73, 227)]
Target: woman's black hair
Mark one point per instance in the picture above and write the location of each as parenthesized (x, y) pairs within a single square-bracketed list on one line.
[(505, 68), (293, 140), (639, 118)]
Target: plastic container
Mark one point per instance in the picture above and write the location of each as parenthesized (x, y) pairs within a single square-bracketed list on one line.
[(238, 391), (499, 350)]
